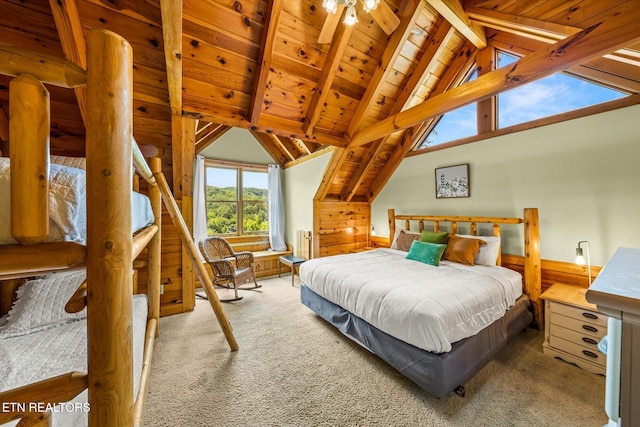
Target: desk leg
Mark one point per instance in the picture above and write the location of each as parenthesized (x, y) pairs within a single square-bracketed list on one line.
[(279, 265), (293, 273)]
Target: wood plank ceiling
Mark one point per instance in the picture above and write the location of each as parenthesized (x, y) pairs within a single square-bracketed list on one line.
[(370, 91)]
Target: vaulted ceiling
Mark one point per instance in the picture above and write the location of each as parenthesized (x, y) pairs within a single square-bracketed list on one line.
[(302, 81)]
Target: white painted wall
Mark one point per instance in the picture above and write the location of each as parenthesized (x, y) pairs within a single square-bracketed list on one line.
[(582, 175), (237, 145), (300, 185)]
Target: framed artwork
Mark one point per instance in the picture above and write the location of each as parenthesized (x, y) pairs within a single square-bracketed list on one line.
[(452, 181)]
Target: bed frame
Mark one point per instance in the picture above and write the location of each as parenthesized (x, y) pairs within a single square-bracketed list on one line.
[(442, 373), (110, 251), (532, 282)]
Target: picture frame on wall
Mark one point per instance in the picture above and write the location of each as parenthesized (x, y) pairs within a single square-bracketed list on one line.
[(452, 181)]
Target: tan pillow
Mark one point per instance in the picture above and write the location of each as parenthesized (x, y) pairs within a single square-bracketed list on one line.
[(404, 241), (462, 250)]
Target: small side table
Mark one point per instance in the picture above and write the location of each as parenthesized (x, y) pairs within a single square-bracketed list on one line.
[(292, 261)]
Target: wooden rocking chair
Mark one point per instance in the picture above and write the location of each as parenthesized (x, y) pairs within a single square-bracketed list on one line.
[(230, 269)]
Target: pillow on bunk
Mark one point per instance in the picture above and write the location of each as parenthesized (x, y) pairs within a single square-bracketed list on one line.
[(40, 304), (73, 162), (488, 254), (462, 250), (428, 253)]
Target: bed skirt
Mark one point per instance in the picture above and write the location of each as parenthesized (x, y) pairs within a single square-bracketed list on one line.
[(438, 374)]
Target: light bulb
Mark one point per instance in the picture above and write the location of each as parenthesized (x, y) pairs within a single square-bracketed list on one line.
[(330, 5), (369, 5), (351, 18), (579, 257)]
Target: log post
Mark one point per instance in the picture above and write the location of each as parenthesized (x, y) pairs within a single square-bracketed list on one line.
[(29, 152), (154, 248), (532, 264), (109, 246), (391, 218)]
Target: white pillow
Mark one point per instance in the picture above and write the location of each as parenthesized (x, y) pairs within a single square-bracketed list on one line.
[(394, 244), (488, 254), (73, 162), (40, 304)]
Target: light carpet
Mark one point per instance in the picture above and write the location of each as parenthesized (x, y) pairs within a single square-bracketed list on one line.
[(294, 369)]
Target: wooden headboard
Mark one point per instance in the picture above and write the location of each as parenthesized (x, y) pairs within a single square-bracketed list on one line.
[(532, 286)]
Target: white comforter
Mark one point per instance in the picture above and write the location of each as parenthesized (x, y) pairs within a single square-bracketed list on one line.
[(45, 354), (67, 205), (426, 306)]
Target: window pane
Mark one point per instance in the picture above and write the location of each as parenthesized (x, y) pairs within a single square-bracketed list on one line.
[(221, 218), (548, 96), (254, 186), (255, 217), (221, 184)]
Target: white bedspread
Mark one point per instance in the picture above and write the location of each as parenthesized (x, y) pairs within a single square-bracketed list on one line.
[(37, 356), (426, 306), (67, 205)]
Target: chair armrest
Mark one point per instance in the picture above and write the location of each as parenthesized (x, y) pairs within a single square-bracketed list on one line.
[(244, 259)]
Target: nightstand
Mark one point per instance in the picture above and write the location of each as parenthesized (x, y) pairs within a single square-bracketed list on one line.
[(573, 327)]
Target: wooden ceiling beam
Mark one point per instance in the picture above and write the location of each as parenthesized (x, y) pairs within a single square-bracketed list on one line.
[(612, 34), (67, 20), (372, 154), (268, 124), (202, 128), (384, 68), (287, 150), (274, 9), (441, 38), (548, 32), (330, 25), (331, 63), (453, 12), (333, 167), (266, 143), (431, 55), (171, 11), (385, 17), (210, 137), (454, 76)]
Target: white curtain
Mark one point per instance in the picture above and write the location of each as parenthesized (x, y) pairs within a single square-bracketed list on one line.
[(276, 210), (199, 208)]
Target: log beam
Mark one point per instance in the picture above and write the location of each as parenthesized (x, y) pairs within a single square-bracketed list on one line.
[(171, 11), (453, 12), (593, 42)]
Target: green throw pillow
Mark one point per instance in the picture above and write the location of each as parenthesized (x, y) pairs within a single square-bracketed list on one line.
[(429, 253), (431, 237)]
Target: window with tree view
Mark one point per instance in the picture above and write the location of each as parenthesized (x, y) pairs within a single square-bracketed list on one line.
[(237, 201)]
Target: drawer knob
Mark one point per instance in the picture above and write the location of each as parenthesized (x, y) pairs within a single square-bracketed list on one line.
[(589, 340), (590, 316), (590, 354), (589, 328)]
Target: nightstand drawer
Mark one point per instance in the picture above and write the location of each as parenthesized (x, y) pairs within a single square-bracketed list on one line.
[(578, 325), (576, 337), (592, 355), (578, 313)]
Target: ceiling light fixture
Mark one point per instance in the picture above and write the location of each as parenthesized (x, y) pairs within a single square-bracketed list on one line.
[(351, 16)]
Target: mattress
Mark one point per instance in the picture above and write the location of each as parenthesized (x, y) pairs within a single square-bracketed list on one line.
[(37, 356), (67, 205), (426, 306)]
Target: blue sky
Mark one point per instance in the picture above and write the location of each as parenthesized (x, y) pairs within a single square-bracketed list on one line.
[(227, 178), (545, 97)]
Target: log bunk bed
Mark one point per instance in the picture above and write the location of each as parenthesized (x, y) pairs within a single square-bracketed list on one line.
[(119, 340), (411, 314)]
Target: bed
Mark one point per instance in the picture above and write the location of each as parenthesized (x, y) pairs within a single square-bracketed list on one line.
[(436, 324), (76, 336)]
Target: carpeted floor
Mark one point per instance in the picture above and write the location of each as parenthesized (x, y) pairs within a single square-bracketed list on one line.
[(293, 369)]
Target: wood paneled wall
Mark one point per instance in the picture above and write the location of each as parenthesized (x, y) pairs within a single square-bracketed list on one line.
[(340, 227)]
